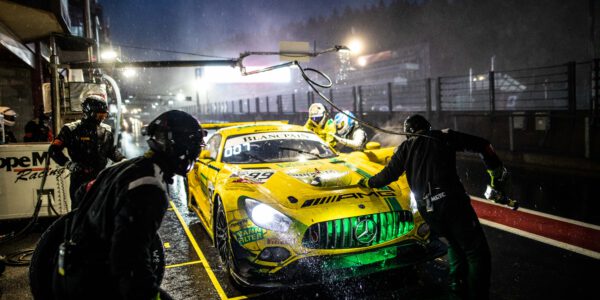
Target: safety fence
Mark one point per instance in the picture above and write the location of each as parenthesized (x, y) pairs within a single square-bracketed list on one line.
[(565, 87)]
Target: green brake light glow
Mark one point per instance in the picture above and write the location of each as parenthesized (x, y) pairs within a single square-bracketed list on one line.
[(361, 231), (361, 259)]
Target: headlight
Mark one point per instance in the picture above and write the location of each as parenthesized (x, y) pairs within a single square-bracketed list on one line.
[(413, 203), (267, 217)]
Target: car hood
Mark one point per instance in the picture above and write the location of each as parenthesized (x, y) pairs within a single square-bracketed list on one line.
[(320, 189)]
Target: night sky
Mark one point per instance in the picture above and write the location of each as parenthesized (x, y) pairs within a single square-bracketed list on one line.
[(199, 26)]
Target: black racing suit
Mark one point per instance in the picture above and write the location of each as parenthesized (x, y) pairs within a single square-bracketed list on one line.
[(430, 166), (89, 145), (112, 231)]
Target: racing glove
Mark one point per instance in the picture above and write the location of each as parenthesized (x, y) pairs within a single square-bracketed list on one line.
[(73, 166), (499, 186), (499, 179), (364, 182)]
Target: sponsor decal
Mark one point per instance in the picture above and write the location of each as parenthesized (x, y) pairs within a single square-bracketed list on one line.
[(267, 136), (258, 176), (311, 174), (337, 198), (438, 196), (32, 174), (29, 167), (240, 223), (299, 164), (275, 241), (250, 234), (16, 164)]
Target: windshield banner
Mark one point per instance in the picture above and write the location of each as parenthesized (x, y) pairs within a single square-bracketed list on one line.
[(268, 136)]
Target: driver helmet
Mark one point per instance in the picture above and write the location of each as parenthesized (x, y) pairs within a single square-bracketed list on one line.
[(178, 137), (94, 108), (10, 116), (416, 124), (344, 122), (317, 114)]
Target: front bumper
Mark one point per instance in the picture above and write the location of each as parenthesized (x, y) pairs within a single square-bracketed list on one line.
[(319, 269)]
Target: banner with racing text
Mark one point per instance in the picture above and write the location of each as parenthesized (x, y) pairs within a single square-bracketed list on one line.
[(22, 167)]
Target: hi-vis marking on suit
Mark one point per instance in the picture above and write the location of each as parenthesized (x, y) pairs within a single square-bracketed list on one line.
[(157, 180)]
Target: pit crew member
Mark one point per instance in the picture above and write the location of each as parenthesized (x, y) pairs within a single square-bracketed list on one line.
[(349, 132), (429, 160), (89, 142), (9, 117), (107, 253), (320, 123)]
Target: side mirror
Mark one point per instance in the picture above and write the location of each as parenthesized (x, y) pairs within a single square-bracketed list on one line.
[(372, 146), (205, 154)]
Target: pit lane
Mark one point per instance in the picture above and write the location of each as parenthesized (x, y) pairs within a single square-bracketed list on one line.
[(194, 270), (523, 268)]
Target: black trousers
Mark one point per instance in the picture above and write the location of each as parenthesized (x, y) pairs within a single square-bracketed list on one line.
[(78, 179), (469, 255)]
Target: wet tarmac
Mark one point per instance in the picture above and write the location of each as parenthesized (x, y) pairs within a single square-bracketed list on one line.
[(522, 269)]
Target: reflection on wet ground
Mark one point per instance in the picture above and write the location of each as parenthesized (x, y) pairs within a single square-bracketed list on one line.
[(522, 268), (193, 280)]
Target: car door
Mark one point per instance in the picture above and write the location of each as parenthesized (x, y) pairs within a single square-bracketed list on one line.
[(207, 171)]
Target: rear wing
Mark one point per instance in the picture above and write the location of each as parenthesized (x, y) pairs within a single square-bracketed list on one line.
[(224, 125)]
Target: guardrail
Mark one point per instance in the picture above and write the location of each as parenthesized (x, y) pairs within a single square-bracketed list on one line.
[(549, 110), (566, 87)]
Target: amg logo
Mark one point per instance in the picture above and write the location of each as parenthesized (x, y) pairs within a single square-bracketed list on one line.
[(337, 198)]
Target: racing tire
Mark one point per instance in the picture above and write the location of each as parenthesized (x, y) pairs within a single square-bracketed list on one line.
[(188, 197), (222, 237), (43, 259)]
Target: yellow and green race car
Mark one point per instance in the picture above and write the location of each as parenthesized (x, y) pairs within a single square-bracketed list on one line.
[(282, 208)]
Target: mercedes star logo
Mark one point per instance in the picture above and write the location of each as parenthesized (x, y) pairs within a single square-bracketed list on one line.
[(365, 231)]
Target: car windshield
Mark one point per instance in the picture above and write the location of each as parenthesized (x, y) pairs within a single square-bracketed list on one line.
[(269, 147)]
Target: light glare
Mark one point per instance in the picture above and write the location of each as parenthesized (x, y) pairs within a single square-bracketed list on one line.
[(108, 55), (128, 72), (362, 61), (356, 46), (233, 75)]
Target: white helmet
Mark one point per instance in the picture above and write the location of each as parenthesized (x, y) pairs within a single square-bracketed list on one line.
[(317, 114), (10, 116)]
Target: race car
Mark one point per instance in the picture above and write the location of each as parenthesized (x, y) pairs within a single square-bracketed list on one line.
[(283, 208)]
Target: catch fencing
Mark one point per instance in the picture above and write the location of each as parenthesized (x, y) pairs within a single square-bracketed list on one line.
[(565, 87)]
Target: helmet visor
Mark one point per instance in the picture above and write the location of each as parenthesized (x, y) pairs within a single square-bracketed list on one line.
[(11, 118), (196, 142), (317, 119)]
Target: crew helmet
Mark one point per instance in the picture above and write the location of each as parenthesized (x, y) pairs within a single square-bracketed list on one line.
[(178, 137), (344, 122), (416, 123), (317, 114), (10, 116), (92, 106)]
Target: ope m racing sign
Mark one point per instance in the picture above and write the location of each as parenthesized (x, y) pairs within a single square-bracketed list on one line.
[(16, 164)]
